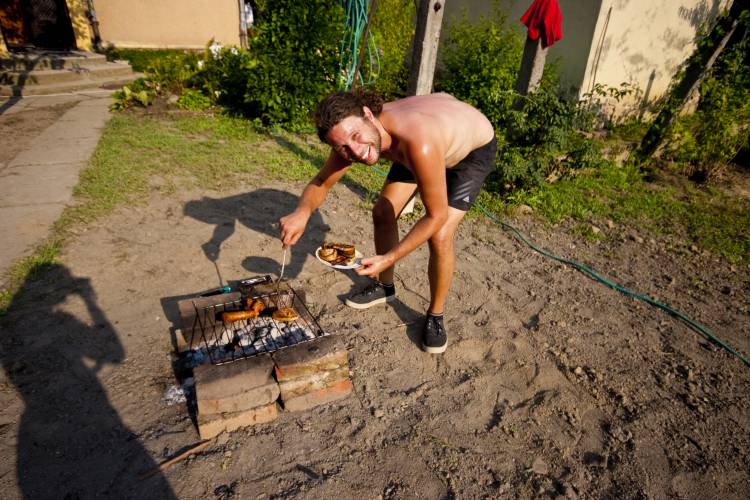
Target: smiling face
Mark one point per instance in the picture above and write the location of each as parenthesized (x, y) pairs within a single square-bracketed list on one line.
[(356, 139)]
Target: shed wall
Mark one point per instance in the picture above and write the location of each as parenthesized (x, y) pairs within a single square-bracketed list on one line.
[(168, 23)]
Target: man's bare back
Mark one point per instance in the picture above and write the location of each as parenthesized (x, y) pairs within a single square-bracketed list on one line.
[(439, 120)]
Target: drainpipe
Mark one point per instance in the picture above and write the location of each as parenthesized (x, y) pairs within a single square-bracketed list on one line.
[(94, 25), (243, 24)]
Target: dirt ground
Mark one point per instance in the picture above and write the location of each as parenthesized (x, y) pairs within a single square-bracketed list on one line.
[(552, 386)]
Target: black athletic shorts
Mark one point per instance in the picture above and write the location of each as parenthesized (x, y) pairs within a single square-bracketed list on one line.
[(464, 179)]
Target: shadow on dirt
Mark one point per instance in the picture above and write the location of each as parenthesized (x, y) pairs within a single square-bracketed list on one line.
[(71, 441), (259, 210)]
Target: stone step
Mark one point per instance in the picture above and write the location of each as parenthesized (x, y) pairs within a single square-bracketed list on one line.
[(49, 76), (51, 60), (113, 82)]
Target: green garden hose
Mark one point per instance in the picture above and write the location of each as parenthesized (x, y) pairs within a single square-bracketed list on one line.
[(350, 67), (357, 12), (585, 270)]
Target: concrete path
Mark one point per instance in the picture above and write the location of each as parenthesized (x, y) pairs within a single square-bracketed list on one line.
[(38, 183)]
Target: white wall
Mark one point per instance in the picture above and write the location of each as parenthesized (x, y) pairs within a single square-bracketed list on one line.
[(608, 42), (645, 43), (168, 23), (571, 53)]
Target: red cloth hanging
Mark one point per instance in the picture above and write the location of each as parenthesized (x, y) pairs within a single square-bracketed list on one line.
[(544, 18)]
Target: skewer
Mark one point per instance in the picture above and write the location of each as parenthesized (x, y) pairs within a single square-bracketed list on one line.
[(194, 449), (281, 275)]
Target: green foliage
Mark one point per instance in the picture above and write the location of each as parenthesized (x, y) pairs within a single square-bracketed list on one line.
[(597, 108), (140, 59), (539, 136), (296, 45), (707, 140), (708, 218), (393, 29), (194, 100), (166, 73), (140, 92), (223, 73), (480, 64), (171, 73)]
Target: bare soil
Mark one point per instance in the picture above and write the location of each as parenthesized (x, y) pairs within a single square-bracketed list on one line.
[(553, 385)]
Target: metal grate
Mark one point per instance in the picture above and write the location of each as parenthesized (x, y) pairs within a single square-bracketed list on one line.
[(229, 342)]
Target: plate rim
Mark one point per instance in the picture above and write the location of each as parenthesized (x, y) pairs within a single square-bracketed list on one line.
[(357, 257)]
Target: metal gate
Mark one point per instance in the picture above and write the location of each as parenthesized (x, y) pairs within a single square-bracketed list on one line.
[(43, 24)]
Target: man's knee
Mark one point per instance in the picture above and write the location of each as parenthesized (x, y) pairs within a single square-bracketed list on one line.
[(442, 241), (383, 213)]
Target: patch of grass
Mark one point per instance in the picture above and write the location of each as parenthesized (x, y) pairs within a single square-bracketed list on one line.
[(27, 268), (586, 231), (141, 59), (707, 218), (139, 154)]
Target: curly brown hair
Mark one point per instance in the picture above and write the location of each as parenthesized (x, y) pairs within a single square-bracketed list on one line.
[(339, 105)]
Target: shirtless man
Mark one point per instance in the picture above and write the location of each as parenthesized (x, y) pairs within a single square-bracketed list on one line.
[(438, 145)]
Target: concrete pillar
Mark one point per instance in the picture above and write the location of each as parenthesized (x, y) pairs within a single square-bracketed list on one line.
[(80, 22), (532, 66), (425, 46)]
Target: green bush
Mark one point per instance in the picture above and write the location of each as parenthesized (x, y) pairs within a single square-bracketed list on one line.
[(538, 134), (296, 46), (140, 59), (140, 93), (393, 29), (194, 100), (704, 142), (223, 73), (170, 74), (479, 65)]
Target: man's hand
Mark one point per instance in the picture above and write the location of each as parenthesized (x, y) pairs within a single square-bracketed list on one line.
[(292, 226), (373, 266)]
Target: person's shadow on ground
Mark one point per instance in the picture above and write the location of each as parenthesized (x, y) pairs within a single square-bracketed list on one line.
[(259, 210), (71, 441)]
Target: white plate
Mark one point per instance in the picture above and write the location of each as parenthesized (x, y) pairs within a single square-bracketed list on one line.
[(355, 263)]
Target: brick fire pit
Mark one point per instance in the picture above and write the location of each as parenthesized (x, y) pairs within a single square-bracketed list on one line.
[(251, 367)]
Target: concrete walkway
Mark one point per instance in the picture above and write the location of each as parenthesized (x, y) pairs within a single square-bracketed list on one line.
[(38, 183)]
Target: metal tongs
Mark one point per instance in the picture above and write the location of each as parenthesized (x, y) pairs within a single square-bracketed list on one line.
[(281, 274)]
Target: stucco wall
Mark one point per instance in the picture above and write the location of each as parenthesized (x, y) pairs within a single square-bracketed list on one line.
[(645, 43), (168, 23), (642, 42)]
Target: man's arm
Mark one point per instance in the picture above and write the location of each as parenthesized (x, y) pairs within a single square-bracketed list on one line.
[(428, 162), (293, 225)]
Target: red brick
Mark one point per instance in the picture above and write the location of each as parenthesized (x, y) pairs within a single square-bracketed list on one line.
[(305, 359), (299, 386), (214, 382), (251, 398), (326, 395), (213, 425)]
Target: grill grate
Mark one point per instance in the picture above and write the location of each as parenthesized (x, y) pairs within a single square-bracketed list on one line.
[(229, 342)]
